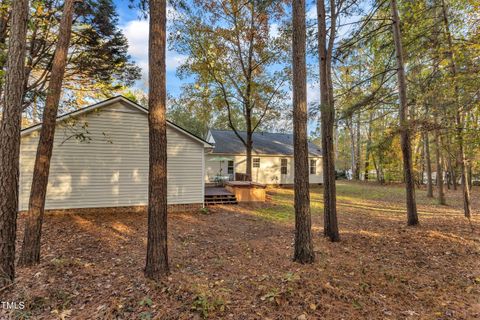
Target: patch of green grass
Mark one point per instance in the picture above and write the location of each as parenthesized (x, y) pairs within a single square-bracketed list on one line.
[(366, 191), (364, 196), (279, 213), (281, 208), (351, 191)]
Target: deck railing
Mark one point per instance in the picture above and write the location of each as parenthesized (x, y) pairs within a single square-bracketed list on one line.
[(242, 177)]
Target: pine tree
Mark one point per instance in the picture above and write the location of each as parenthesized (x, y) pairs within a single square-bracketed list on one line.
[(157, 250), (10, 140), (30, 253), (405, 134), (303, 234), (327, 109)]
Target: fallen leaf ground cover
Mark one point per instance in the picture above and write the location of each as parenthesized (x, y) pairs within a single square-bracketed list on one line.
[(235, 263)]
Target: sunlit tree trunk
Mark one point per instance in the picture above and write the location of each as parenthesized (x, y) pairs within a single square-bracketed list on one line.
[(327, 109), (470, 176), (449, 168), (30, 253), (303, 225), (157, 252), (249, 146), (10, 139), (439, 167), (421, 175), (459, 118), (368, 146), (428, 164), (358, 148), (412, 216), (349, 123)]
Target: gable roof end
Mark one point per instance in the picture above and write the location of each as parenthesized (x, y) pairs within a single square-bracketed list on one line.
[(110, 101)]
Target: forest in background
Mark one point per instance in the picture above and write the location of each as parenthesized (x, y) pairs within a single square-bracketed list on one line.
[(441, 53)]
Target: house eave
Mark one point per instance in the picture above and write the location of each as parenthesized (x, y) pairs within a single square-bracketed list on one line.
[(101, 104)]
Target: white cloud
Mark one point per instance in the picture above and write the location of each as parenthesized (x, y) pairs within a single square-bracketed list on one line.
[(274, 30), (136, 32), (313, 92), (312, 12)]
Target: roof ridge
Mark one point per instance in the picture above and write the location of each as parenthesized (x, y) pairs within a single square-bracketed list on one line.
[(256, 132), (264, 143)]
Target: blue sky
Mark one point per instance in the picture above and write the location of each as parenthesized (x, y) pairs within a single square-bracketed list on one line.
[(136, 31)]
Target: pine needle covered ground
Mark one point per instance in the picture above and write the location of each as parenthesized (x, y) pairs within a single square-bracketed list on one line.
[(235, 263)]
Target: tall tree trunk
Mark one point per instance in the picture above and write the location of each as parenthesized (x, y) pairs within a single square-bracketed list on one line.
[(418, 156), (459, 117), (303, 224), (4, 18), (352, 148), (30, 253), (358, 147), (368, 146), (421, 146), (470, 176), (463, 167), (452, 173), (412, 216), (377, 171), (449, 169), (428, 165), (439, 167), (249, 144), (327, 117), (10, 140), (157, 251), (248, 93)]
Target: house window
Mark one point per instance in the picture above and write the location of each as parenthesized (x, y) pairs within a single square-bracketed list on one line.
[(313, 166), (284, 166), (256, 162), (230, 167)]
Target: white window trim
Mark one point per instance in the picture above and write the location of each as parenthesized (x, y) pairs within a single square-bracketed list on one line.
[(233, 166), (253, 162), (311, 167), (281, 166)]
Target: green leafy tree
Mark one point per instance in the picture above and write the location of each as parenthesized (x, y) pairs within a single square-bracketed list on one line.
[(232, 57), (98, 64)]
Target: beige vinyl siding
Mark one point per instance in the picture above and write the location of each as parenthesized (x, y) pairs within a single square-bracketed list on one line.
[(268, 173), (110, 167)]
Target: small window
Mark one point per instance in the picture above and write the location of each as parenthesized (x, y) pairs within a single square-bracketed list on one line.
[(313, 166), (256, 162), (230, 167), (284, 166)]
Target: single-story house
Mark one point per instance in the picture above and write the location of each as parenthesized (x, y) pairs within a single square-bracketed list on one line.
[(100, 159), (272, 159)]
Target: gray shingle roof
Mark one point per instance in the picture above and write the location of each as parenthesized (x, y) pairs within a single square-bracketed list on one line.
[(226, 142)]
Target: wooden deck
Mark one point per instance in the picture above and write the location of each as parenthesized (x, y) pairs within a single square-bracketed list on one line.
[(217, 195), (217, 191)]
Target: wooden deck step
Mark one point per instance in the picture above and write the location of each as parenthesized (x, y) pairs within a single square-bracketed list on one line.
[(217, 195), (223, 196), (221, 199), (219, 202)]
